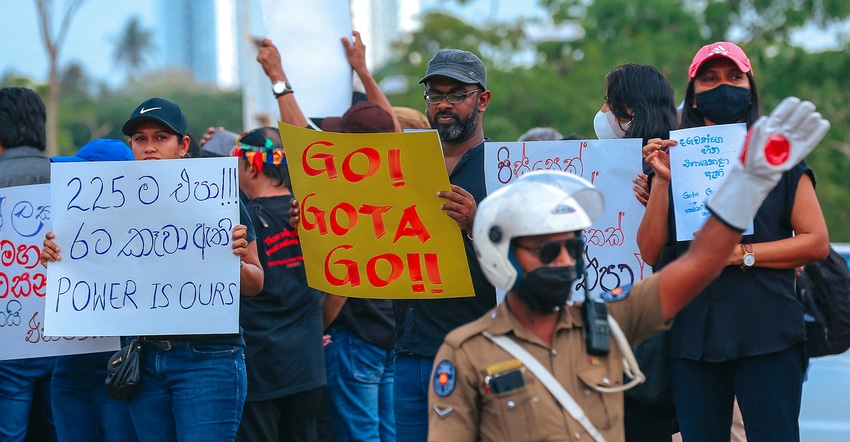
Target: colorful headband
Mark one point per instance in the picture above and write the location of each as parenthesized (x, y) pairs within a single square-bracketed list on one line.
[(258, 155)]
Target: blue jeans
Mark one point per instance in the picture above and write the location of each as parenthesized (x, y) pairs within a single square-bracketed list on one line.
[(410, 390), (360, 384), (190, 394), (89, 415), (25, 383)]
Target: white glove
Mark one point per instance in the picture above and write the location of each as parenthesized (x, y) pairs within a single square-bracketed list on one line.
[(774, 144)]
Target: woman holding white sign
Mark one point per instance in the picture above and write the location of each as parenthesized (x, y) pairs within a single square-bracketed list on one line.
[(743, 337), (193, 386)]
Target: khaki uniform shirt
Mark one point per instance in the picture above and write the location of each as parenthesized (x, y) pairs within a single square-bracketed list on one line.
[(467, 410)]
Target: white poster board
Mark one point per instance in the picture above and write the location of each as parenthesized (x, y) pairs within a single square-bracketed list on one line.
[(308, 35), (24, 219), (698, 165), (145, 248), (611, 254)]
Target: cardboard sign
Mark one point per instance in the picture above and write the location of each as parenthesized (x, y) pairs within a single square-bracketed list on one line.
[(308, 34), (145, 248), (698, 165), (371, 224), (611, 254), (24, 219)]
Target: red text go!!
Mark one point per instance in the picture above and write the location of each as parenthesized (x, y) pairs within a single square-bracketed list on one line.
[(382, 269)]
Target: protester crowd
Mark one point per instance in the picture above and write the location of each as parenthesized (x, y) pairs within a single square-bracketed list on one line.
[(313, 366)]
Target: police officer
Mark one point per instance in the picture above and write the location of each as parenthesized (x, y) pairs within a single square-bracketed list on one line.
[(528, 239)]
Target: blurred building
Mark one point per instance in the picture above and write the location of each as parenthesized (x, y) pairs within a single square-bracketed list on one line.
[(185, 34)]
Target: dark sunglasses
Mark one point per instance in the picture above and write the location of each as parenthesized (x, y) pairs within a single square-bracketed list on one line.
[(549, 251)]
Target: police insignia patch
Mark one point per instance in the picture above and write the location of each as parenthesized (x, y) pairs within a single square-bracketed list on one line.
[(618, 294), (445, 377)]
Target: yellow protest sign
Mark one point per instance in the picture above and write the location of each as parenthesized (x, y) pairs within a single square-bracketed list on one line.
[(371, 224)]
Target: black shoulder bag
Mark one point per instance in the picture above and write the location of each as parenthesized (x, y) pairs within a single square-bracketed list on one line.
[(124, 371)]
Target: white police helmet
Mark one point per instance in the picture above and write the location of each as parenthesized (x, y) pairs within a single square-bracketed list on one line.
[(539, 203)]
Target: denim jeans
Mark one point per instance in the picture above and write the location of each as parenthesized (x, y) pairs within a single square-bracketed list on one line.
[(25, 383), (86, 415), (410, 391), (190, 394), (360, 384)]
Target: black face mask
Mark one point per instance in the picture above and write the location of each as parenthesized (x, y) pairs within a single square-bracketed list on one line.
[(724, 104), (546, 289)]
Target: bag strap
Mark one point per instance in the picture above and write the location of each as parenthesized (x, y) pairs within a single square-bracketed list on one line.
[(549, 381), (630, 364)]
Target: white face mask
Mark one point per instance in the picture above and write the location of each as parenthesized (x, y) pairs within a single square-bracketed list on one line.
[(606, 127)]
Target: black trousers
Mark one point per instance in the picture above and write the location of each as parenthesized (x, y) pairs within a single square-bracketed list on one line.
[(287, 419)]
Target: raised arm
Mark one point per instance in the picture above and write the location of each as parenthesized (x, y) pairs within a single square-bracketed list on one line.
[(269, 58), (356, 55)]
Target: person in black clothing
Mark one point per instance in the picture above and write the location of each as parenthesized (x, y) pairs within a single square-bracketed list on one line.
[(282, 325)]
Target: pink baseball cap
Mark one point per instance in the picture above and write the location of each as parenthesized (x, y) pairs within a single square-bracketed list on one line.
[(720, 49)]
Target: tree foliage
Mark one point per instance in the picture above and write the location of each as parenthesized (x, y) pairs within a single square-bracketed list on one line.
[(562, 86), (133, 46)]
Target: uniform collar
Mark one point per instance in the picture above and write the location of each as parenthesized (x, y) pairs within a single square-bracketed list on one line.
[(503, 321)]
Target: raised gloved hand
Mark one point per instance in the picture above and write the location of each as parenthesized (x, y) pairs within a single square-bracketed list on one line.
[(774, 144)]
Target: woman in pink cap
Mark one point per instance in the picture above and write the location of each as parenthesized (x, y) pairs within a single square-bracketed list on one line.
[(743, 337)]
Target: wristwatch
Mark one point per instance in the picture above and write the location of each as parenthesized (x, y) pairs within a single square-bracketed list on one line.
[(280, 88), (749, 258)]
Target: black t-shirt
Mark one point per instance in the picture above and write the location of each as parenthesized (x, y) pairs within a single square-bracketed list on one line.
[(282, 325), (370, 319)]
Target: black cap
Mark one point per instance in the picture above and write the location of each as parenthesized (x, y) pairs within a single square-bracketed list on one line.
[(463, 66), (157, 109)]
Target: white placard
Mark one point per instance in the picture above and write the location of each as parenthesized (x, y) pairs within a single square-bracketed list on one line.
[(145, 248), (308, 35), (698, 165), (612, 255), (24, 219)]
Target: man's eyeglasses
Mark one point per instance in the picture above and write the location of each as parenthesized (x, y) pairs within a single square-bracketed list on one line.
[(456, 98), (549, 252)]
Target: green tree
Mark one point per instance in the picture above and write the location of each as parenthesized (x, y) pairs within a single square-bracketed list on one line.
[(133, 47), (563, 85)]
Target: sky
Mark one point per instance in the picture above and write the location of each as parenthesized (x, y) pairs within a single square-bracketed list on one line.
[(90, 39), (98, 24)]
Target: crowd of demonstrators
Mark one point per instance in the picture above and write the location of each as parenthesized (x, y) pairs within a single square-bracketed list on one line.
[(282, 325), (82, 411), (394, 369), (743, 336), (492, 377), (24, 383)]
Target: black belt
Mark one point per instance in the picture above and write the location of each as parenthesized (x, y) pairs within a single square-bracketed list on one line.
[(165, 344)]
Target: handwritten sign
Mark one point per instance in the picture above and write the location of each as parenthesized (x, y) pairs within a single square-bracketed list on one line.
[(611, 253), (145, 248), (308, 35), (698, 165), (24, 219), (371, 223)]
